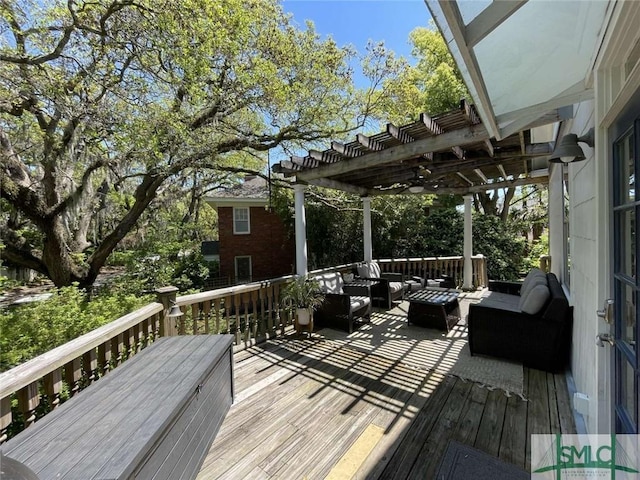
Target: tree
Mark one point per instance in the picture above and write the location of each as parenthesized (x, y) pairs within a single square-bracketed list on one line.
[(105, 104), (433, 85)]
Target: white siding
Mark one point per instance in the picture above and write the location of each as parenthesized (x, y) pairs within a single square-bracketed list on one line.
[(591, 214), (583, 293)]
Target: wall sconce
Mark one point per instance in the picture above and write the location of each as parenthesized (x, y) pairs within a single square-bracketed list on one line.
[(175, 311), (569, 151)]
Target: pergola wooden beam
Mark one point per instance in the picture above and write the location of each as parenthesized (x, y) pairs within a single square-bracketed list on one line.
[(404, 137), (447, 140), (305, 162), (473, 189), (345, 187), (323, 157), (343, 150), (482, 176), (463, 177), (368, 143), (398, 134), (502, 171)]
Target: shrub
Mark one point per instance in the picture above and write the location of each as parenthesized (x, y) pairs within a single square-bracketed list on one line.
[(27, 331), (501, 243)]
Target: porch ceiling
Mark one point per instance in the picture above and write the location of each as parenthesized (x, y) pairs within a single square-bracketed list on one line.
[(522, 59), (444, 154)]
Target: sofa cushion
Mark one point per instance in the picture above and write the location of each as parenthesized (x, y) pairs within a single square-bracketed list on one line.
[(330, 282), (501, 301), (535, 276), (395, 287), (535, 298)]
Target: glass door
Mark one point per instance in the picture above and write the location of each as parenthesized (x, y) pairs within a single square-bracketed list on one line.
[(626, 278)]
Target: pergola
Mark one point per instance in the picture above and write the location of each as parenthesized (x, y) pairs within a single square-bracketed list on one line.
[(451, 153)]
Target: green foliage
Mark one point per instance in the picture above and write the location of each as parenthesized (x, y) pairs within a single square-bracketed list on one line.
[(407, 226), (33, 329), (501, 243), (537, 249), (109, 107), (167, 263), (334, 229), (334, 224), (433, 85), (303, 292)]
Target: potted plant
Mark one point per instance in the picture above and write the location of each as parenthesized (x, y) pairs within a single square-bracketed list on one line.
[(305, 295)]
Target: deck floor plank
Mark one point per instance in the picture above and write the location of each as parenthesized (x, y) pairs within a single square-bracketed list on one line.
[(513, 442), (491, 424), (397, 421), (436, 442), (406, 453), (301, 403), (467, 428), (538, 420), (565, 415)]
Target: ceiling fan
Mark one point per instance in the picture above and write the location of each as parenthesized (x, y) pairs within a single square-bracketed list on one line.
[(416, 184)]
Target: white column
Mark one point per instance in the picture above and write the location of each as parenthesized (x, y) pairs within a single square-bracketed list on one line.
[(467, 283), (301, 230), (366, 227)]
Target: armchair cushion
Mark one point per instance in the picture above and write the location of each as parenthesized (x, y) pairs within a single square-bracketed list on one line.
[(395, 287), (358, 301)]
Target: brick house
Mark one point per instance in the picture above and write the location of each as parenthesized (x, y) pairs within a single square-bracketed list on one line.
[(254, 243)]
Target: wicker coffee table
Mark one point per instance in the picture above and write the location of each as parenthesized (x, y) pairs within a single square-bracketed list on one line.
[(434, 308)]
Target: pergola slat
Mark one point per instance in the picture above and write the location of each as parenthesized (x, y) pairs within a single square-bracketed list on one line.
[(454, 147)]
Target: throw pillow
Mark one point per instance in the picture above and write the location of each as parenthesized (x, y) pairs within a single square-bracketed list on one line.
[(535, 299), (363, 271), (374, 268)]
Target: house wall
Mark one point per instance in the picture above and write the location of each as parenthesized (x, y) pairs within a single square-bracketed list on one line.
[(271, 249), (591, 219), (584, 281)]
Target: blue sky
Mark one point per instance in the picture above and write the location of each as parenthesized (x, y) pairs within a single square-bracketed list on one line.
[(356, 21)]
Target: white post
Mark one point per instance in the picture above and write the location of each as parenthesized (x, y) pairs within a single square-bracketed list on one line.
[(468, 245), (301, 230), (366, 220)]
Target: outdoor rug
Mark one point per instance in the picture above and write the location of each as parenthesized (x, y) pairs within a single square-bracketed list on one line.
[(462, 462), (389, 336)]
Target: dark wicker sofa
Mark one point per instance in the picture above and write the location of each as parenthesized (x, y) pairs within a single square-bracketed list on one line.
[(541, 339)]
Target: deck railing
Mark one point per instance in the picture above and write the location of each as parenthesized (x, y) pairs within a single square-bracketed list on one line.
[(439, 267), (251, 312)]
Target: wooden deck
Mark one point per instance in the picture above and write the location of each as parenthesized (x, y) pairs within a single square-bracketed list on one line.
[(314, 409)]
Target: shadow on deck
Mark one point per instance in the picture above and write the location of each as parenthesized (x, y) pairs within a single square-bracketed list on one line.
[(318, 407)]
